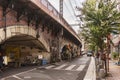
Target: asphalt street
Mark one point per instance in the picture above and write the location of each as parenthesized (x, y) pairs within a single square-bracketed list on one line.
[(66, 70)]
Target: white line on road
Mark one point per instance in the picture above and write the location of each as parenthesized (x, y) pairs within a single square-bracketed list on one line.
[(27, 77), (59, 67), (26, 71), (17, 77), (48, 67), (80, 68), (70, 67), (18, 74)]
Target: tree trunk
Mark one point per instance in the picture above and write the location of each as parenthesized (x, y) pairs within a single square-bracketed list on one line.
[(105, 66)]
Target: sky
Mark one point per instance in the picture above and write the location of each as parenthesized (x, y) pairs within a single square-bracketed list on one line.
[(69, 11)]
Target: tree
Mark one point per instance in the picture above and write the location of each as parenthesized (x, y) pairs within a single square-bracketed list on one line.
[(100, 18)]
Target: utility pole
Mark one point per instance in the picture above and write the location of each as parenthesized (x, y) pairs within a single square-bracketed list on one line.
[(61, 8), (61, 12), (61, 32)]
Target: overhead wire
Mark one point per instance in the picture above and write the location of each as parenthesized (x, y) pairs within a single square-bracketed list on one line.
[(75, 2), (68, 10), (74, 10), (72, 7)]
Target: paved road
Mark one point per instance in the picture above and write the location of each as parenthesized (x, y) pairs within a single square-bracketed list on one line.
[(71, 70)]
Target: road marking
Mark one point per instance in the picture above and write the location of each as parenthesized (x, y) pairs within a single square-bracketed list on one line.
[(17, 74), (80, 68), (70, 67), (27, 77), (48, 67), (26, 71), (59, 67), (17, 77)]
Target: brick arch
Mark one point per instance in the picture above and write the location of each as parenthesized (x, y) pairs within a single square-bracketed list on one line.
[(18, 30)]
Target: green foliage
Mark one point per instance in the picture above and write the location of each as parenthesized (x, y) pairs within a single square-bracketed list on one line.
[(100, 20), (115, 55)]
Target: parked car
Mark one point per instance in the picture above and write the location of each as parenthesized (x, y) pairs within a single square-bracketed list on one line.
[(89, 53)]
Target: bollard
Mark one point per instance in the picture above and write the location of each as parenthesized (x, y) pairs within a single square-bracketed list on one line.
[(102, 73), (97, 69)]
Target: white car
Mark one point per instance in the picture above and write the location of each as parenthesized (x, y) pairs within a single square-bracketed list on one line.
[(89, 54)]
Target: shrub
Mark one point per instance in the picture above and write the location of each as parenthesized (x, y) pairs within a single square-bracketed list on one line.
[(115, 55)]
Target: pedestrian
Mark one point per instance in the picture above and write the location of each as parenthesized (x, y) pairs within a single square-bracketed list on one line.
[(1, 62)]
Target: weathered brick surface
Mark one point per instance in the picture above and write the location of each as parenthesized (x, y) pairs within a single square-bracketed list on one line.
[(11, 20)]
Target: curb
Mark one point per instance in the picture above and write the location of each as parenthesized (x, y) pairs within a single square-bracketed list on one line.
[(91, 72)]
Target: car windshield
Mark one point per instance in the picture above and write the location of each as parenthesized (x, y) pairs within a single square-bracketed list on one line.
[(89, 51)]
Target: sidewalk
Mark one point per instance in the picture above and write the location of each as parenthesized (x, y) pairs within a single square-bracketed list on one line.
[(114, 73)]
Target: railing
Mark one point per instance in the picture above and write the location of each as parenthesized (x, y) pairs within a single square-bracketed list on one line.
[(47, 4), (56, 14), (50, 7)]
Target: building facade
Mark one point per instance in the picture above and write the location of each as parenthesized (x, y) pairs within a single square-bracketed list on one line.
[(31, 30)]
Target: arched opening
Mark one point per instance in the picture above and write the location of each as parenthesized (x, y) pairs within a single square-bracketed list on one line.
[(22, 50), (69, 52)]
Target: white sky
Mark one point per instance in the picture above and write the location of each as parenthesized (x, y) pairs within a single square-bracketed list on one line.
[(68, 12)]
